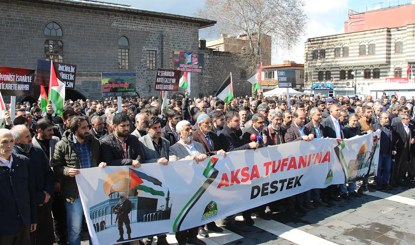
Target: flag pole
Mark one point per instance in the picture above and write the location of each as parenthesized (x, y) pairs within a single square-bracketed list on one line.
[(288, 98), (119, 103), (12, 107)]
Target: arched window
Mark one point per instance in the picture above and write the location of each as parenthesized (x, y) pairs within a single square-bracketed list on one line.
[(328, 75), (367, 73), (123, 46), (376, 73), (399, 47), (342, 75), (337, 52), (345, 51), (350, 74), (54, 50), (322, 54), (53, 29), (372, 49), (398, 72), (321, 75), (362, 49)]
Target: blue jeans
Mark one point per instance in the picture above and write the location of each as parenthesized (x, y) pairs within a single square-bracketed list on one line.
[(344, 188), (384, 169), (74, 214)]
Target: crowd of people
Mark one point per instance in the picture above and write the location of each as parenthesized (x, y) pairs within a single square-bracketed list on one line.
[(41, 153)]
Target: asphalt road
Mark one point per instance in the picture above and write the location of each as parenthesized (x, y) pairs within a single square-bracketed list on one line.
[(379, 217)]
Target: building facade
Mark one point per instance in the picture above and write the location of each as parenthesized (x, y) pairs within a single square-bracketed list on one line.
[(97, 37), (364, 62), (272, 76)]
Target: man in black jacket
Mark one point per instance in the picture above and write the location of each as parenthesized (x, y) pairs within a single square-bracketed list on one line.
[(169, 131), (98, 127), (121, 148), (78, 149), (387, 149), (229, 136), (44, 184), (19, 214), (230, 142), (258, 123)]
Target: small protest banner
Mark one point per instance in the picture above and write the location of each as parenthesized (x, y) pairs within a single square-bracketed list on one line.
[(16, 81), (167, 80)]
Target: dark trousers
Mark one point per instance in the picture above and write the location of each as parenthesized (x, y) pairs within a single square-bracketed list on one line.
[(44, 229), (123, 219), (59, 219), (21, 238), (182, 236), (400, 167)]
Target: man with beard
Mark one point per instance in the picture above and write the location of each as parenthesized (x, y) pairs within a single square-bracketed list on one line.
[(97, 127), (121, 148), (218, 119), (366, 121), (47, 141), (78, 149), (44, 184), (282, 106), (243, 115), (258, 124), (98, 112), (17, 195), (229, 138), (287, 119), (273, 132), (140, 122), (187, 149), (169, 131), (155, 147)]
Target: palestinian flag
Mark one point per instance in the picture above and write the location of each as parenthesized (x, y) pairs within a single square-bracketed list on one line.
[(43, 97), (259, 78), (184, 82), (225, 91), (2, 109), (137, 183), (56, 91)]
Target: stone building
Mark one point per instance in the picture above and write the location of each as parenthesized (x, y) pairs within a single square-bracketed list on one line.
[(97, 37), (370, 59)]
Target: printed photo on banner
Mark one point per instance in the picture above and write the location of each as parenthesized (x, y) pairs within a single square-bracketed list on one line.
[(188, 61)]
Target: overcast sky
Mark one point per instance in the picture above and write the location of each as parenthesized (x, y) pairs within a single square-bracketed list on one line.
[(325, 17)]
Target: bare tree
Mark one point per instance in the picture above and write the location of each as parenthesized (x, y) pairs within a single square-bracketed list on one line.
[(258, 21)]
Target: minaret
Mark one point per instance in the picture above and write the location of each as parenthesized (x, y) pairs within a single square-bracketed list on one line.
[(167, 200)]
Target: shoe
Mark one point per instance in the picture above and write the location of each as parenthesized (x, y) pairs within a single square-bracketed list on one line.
[(301, 210), (345, 197), (214, 227), (387, 187), (148, 241), (249, 221), (320, 202), (230, 226), (334, 198), (309, 205), (195, 241), (120, 239), (354, 194), (202, 232)]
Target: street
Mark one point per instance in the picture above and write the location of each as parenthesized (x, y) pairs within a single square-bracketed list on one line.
[(380, 217)]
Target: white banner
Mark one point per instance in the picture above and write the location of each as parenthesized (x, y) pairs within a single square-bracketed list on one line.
[(182, 195)]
